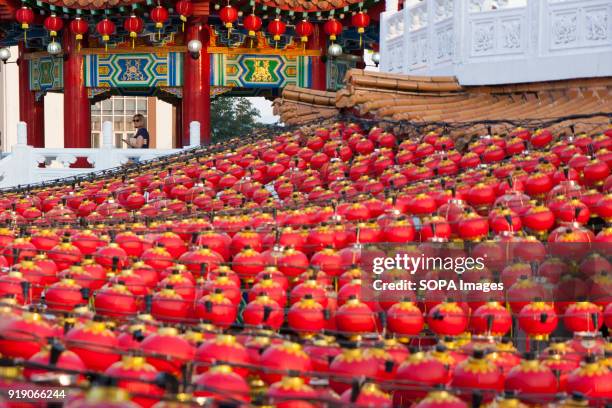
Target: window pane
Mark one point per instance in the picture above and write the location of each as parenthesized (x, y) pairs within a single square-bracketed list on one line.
[(118, 108), (95, 139), (130, 106), (118, 123), (106, 106), (142, 105), (95, 108), (95, 123)]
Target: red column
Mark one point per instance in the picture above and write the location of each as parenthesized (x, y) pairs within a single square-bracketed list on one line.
[(318, 41), (31, 111), (77, 109), (196, 86)]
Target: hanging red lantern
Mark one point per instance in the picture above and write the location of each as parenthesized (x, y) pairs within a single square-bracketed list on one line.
[(252, 23), (136, 375), (134, 26), (538, 319), (94, 343), (25, 17), (79, 27), (184, 8), (228, 15), (277, 28), (304, 29), (360, 21), (532, 378), (105, 28), (159, 15), (333, 28), (53, 24)]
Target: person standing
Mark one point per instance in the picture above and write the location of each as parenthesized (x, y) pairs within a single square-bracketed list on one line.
[(141, 139)]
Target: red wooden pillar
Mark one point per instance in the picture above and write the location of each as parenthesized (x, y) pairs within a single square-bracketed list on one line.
[(31, 111), (77, 108), (196, 86), (318, 41)]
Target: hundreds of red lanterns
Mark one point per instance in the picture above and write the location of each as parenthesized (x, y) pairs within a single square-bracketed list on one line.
[(184, 8), (242, 272)]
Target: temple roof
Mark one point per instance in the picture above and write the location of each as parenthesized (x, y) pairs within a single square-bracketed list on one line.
[(309, 5), (92, 4), (422, 99)]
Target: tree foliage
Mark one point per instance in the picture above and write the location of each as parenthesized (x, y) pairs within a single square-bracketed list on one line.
[(231, 117)]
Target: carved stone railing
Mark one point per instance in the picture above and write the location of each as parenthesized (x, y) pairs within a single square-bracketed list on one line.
[(498, 41), (26, 164)]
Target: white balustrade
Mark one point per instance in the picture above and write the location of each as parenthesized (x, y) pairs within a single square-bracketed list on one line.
[(498, 41), (23, 165)]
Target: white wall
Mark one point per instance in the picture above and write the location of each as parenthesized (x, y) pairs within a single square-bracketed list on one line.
[(9, 101), (54, 120), (163, 125), (516, 41)]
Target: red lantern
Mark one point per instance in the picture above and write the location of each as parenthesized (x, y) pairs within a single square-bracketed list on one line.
[(184, 8), (53, 24), (228, 15), (425, 371), (538, 319), (25, 17), (360, 21), (447, 319), (291, 392), (592, 379), (94, 344), (221, 381), (159, 15), (252, 23), (50, 356), (304, 29), (223, 348), (405, 319), (441, 399), (477, 373), (217, 309), (277, 28), (333, 28), (137, 376), (583, 317), (167, 343), (21, 337), (116, 301), (134, 26), (368, 396), (79, 27), (532, 378), (105, 28), (491, 318), (282, 358)]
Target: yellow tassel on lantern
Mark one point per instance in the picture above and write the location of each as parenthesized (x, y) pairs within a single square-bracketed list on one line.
[(53, 33), (251, 33), (183, 19), (79, 36), (133, 34), (332, 37), (25, 26), (304, 39)]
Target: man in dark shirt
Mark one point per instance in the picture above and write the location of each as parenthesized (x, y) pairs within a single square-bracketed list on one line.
[(141, 139)]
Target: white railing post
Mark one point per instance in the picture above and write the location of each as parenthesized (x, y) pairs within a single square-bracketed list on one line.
[(460, 11), (407, 43), (194, 134), (22, 134), (22, 159), (107, 134)]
